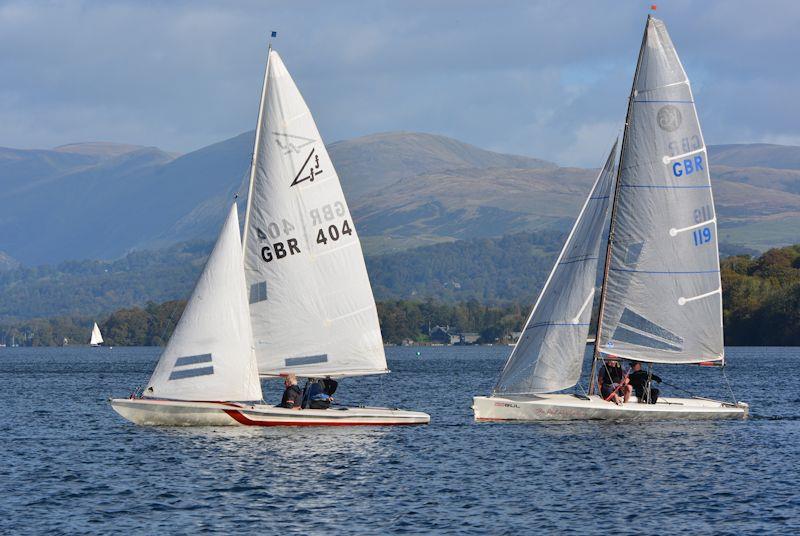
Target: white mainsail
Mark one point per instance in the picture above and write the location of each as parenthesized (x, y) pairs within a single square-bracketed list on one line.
[(663, 300), (97, 337), (550, 351), (210, 354), (311, 304)]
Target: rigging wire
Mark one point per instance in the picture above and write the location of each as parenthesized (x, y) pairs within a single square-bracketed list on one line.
[(725, 377)]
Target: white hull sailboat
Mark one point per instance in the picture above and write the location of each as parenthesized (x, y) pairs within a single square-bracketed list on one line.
[(290, 298), (149, 412), (97, 338), (569, 407), (661, 295)]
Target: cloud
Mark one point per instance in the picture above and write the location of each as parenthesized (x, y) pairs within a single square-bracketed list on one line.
[(547, 79)]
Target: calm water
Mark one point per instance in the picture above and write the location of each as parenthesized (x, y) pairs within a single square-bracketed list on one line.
[(71, 465)]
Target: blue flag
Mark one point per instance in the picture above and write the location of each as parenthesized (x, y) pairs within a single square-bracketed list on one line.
[(274, 34)]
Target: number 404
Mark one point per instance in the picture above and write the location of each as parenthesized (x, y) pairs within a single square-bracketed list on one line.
[(333, 233)]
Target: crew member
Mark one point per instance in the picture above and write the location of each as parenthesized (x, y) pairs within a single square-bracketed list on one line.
[(292, 395), (640, 380)]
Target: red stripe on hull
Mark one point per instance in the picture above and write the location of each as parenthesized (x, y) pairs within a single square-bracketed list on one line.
[(241, 418)]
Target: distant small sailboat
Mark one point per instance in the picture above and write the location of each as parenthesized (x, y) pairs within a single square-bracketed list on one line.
[(661, 299), (96, 339), (291, 297)]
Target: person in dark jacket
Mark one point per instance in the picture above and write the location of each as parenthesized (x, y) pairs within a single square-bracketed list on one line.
[(638, 379), (292, 394), (613, 382), (318, 395)]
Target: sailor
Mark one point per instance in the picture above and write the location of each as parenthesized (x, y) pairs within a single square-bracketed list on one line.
[(614, 382), (640, 381), (292, 395), (319, 394)]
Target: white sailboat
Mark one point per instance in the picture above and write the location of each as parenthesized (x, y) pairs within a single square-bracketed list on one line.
[(292, 297), (96, 338), (661, 295)]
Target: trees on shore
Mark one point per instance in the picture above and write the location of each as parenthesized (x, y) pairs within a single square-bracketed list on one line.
[(761, 307)]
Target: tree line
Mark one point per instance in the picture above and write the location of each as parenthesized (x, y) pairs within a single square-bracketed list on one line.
[(761, 297)]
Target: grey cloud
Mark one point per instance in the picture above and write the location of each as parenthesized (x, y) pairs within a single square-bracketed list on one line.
[(547, 79)]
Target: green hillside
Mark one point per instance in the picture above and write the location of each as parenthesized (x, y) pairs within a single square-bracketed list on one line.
[(761, 296), (405, 189)]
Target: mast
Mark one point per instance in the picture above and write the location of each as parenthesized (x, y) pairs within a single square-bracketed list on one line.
[(256, 144), (607, 265)]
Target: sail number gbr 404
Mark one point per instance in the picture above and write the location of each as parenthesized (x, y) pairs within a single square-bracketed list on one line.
[(324, 231)]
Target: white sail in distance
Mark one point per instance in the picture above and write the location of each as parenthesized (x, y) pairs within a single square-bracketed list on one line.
[(210, 355), (311, 304), (549, 354), (97, 337), (663, 296)]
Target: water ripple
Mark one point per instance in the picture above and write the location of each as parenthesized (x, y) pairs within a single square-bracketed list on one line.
[(71, 465)]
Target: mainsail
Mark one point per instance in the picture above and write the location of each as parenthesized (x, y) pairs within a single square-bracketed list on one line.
[(663, 298), (97, 337), (311, 303), (549, 354), (210, 354)]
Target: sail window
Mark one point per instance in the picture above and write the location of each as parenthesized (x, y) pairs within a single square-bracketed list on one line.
[(635, 329), (622, 334), (191, 373), (632, 253), (192, 360), (306, 360), (258, 292), (179, 372)]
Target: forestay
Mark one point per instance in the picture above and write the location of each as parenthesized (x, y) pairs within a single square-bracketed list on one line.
[(663, 298), (311, 303), (549, 354), (210, 355)]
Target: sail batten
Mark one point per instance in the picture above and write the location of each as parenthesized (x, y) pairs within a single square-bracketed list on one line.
[(309, 290), (549, 353), (662, 301)]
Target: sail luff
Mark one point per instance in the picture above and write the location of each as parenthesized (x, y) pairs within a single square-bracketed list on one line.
[(614, 203), (256, 144)]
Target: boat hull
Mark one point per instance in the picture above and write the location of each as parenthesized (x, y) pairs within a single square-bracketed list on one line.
[(153, 412), (566, 407)]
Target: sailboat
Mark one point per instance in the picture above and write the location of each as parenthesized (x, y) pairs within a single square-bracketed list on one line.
[(291, 296), (661, 295), (97, 338)]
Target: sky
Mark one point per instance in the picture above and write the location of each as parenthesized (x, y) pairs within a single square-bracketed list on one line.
[(540, 78)]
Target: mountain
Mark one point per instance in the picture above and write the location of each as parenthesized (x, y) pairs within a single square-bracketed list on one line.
[(759, 155), (8, 262), (99, 200), (99, 149), (474, 203), (370, 163)]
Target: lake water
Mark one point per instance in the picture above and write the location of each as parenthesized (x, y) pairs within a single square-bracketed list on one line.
[(72, 465)]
